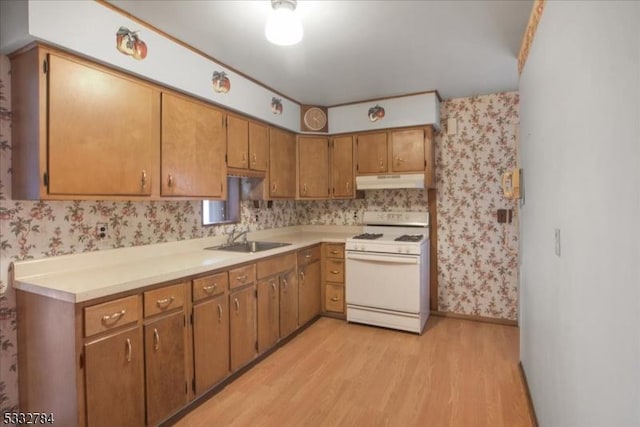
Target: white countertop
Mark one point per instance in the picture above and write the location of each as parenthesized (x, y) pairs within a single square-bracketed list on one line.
[(86, 276)]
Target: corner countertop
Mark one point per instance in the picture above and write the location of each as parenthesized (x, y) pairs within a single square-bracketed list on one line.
[(82, 277)]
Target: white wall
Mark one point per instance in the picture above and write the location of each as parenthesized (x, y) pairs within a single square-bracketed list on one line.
[(580, 150)]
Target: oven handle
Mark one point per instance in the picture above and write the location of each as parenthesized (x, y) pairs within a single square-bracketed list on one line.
[(383, 258)]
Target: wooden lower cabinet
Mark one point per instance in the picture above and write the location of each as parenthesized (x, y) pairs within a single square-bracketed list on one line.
[(309, 292), (114, 375), (268, 313), (242, 326), (166, 385), (333, 279), (210, 342), (288, 303)]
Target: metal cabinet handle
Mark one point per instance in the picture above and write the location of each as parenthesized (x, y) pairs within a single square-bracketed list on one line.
[(242, 278), (381, 164), (334, 272), (129, 350), (143, 179), (334, 252), (399, 159), (219, 313), (302, 275), (164, 302), (255, 159), (210, 289), (284, 281), (307, 256), (273, 286), (335, 299), (244, 157), (304, 188), (274, 188), (156, 339), (348, 184), (114, 317), (235, 300), (170, 181)]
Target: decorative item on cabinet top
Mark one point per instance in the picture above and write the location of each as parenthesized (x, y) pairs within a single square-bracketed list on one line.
[(129, 43), (221, 83), (313, 119), (376, 113), (276, 105)]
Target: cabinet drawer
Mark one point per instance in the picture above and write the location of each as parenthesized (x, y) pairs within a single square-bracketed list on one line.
[(163, 299), (112, 314), (334, 250), (334, 298), (272, 266), (334, 270), (310, 255), (242, 276), (209, 286)]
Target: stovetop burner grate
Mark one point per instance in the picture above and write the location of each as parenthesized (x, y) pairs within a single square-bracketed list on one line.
[(368, 236), (409, 238)]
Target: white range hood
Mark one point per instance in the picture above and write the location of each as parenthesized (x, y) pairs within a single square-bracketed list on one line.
[(383, 182)]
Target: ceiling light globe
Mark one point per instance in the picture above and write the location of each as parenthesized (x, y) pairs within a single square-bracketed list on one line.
[(283, 27)]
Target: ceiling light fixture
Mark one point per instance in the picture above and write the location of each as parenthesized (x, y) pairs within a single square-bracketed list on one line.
[(283, 25)]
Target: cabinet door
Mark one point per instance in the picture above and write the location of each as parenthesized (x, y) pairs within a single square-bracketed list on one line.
[(211, 342), (407, 151), (103, 137), (288, 303), (237, 142), (164, 351), (372, 153), (193, 149), (309, 291), (282, 164), (114, 379), (258, 147), (313, 161), (342, 170), (242, 317), (268, 313)]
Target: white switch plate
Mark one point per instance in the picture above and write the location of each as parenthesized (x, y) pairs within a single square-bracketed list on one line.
[(557, 233), (452, 126)]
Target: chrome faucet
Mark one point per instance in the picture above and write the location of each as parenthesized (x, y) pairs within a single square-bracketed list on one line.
[(233, 236)]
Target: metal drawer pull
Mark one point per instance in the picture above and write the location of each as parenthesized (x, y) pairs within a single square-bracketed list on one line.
[(114, 317), (164, 302), (219, 313), (335, 299), (334, 252), (307, 256), (210, 289), (156, 339), (242, 278), (235, 300), (334, 272), (128, 350)]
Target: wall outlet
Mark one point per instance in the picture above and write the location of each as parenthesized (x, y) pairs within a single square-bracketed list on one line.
[(102, 230)]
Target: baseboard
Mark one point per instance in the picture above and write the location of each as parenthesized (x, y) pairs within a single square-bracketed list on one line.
[(532, 409), (495, 320)]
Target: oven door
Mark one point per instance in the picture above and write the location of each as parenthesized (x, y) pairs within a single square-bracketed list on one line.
[(385, 281)]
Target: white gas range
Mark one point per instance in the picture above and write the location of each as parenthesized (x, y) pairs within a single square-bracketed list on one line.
[(387, 271)]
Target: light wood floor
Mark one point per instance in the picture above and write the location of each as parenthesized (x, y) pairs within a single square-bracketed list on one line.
[(458, 373)]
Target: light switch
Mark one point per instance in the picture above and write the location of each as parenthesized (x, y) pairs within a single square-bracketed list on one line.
[(557, 232), (452, 126)]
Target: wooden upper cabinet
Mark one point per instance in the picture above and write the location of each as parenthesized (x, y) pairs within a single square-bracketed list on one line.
[(193, 149), (430, 156), (258, 147), (313, 167), (372, 153), (237, 142), (103, 131), (407, 150), (282, 164), (342, 167)]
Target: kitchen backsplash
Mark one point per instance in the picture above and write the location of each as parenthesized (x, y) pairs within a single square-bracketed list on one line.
[(477, 274)]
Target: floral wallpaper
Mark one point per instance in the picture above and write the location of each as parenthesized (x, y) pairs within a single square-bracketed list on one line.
[(477, 274)]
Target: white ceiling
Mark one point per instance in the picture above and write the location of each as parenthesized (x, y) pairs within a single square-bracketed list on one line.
[(357, 50)]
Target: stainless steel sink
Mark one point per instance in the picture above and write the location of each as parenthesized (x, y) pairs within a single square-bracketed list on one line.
[(248, 247)]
